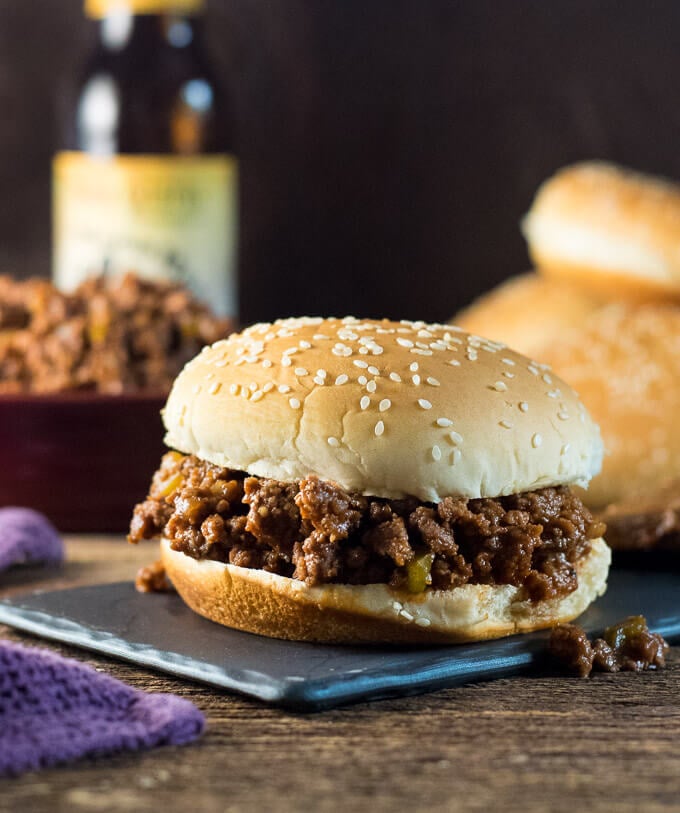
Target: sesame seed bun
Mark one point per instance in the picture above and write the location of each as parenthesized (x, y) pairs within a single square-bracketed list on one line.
[(625, 363), (608, 229), (387, 409), (529, 311), (623, 359), (272, 605)]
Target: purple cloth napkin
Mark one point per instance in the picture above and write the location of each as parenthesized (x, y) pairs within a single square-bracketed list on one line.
[(55, 710), (27, 537)]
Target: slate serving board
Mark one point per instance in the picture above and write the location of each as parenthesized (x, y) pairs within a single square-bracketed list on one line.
[(160, 632)]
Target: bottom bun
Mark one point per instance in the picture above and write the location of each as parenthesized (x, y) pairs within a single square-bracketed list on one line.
[(279, 607)]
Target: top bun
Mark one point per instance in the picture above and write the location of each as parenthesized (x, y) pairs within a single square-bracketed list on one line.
[(386, 409), (610, 229)]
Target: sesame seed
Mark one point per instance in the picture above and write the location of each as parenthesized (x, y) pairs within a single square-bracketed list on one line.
[(341, 379), (252, 386), (508, 374), (413, 367), (363, 351), (320, 337), (536, 440), (215, 388), (371, 386), (333, 442), (284, 388), (266, 363), (433, 382), (523, 406), (294, 402), (404, 342), (286, 362), (258, 395), (395, 377), (234, 388), (554, 393), (422, 622), (373, 370), (499, 386), (321, 373), (360, 363), (565, 448), (424, 403), (365, 402), (406, 614), (305, 345), (319, 380), (454, 363), (384, 405), (421, 352), (436, 453), (209, 376), (300, 371), (290, 351), (397, 605), (221, 363), (456, 456), (563, 416), (197, 389), (379, 428), (505, 424), (416, 379), (532, 369), (443, 422), (268, 387), (362, 380), (546, 378), (508, 361), (455, 437)]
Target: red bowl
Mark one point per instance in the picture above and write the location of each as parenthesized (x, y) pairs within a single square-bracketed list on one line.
[(83, 459)]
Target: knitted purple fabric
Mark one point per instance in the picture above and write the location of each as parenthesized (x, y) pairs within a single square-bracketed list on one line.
[(27, 537), (55, 710)]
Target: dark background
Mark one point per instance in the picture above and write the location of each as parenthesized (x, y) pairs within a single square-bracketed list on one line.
[(388, 147)]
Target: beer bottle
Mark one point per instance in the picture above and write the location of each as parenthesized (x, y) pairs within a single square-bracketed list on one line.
[(148, 182)]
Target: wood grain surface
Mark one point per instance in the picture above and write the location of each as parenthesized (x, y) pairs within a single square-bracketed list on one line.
[(527, 744)]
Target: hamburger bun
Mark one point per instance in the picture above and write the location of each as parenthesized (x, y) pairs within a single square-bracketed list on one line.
[(625, 363), (278, 607), (622, 358), (388, 410), (427, 411), (529, 311), (608, 230)]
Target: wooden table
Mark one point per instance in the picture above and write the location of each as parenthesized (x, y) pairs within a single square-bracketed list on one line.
[(527, 744)]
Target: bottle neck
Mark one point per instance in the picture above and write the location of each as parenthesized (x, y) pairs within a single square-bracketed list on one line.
[(123, 30)]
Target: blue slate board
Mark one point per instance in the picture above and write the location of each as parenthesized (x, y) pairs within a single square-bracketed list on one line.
[(160, 632)]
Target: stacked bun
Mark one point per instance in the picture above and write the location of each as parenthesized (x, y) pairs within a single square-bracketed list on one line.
[(603, 309), (610, 230)]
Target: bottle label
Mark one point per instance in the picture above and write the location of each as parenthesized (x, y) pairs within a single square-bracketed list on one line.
[(100, 8), (164, 217)]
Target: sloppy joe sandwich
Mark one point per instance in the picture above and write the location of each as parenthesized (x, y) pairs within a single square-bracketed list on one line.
[(346, 480)]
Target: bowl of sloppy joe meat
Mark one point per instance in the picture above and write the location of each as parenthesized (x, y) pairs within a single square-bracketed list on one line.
[(83, 378)]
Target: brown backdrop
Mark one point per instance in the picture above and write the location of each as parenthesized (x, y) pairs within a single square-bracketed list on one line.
[(389, 147)]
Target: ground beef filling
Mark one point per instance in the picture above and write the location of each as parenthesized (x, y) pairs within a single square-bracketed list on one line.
[(314, 531), (628, 646)]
